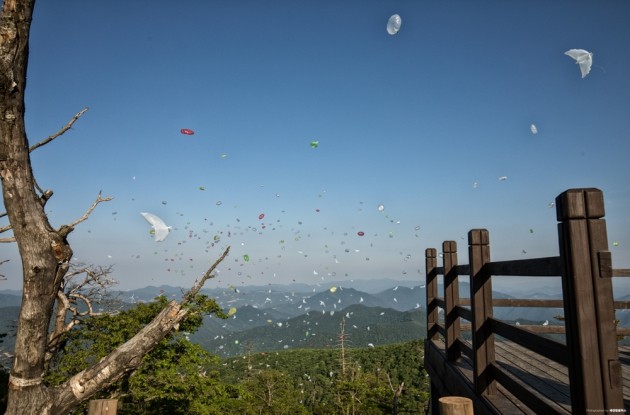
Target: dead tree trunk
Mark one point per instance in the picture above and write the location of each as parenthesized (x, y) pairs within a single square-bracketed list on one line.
[(44, 250)]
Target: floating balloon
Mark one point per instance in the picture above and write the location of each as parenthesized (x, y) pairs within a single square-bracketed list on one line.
[(314, 144), (231, 311), (261, 216), (533, 129), (381, 208), (186, 131), (582, 58), (159, 227), (393, 24), (246, 258), (360, 233), (333, 289)]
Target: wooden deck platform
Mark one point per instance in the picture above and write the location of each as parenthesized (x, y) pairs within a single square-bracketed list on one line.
[(539, 375), (511, 369)]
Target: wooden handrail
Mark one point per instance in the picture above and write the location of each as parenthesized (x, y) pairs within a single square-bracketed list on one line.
[(548, 348), (584, 266), (533, 303), (547, 267)]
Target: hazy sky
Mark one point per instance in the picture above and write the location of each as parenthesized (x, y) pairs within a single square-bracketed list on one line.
[(424, 123)]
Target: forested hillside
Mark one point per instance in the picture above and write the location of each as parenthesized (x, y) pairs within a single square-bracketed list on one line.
[(370, 382), (181, 377), (364, 326)]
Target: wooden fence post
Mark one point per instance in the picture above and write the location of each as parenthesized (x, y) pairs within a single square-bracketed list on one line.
[(456, 405), (451, 299), (432, 291), (103, 407), (594, 367), (481, 306), (431, 285)]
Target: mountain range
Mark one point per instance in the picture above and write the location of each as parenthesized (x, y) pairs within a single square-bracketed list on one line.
[(277, 317)]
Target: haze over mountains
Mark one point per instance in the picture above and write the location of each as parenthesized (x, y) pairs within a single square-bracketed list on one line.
[(276, 317)]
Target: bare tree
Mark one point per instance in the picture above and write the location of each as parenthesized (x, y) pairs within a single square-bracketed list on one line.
[(45, 252), (83, 288), (397, 391)]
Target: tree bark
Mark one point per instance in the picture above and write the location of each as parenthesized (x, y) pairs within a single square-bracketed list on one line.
[(44, 251)]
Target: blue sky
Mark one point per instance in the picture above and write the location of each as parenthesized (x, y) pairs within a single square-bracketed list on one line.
[(409, 121)]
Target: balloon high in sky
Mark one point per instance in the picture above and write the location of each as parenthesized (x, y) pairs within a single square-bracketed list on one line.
[(393, 24)]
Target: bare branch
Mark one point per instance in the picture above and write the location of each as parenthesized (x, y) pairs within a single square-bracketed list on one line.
[(190, 295), (88, 303), (98, 200), (60, 327), (91, 289), (58, 133), (6, 240), (389, 380), (2, 277), (47, 194), (5, 228)]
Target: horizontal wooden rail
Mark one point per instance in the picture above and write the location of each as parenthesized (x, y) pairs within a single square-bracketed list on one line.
[(548, 348), (464, 313), (519, 302), (441, 329), (533, 303), (465, 348), (535, 267), (548, 329)]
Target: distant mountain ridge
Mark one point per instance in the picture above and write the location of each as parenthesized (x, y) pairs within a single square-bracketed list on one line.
[(316, 309)]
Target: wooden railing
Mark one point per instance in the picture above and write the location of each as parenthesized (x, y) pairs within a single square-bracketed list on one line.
[(585, 267)]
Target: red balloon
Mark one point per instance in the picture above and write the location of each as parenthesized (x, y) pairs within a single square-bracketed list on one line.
[(187, 131), (360, 233), (262, 215)]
